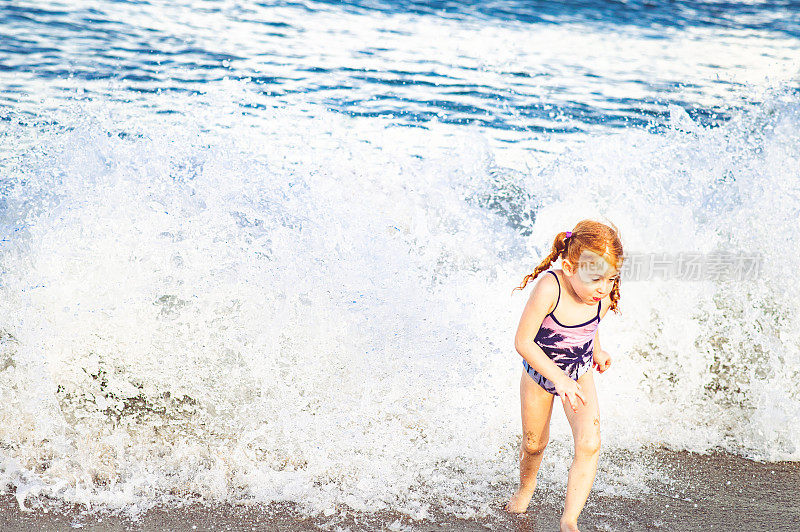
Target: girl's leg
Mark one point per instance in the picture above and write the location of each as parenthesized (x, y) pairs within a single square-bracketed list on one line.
[(536, 405), (585, 425)]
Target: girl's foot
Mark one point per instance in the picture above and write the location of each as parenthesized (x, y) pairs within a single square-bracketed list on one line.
[(518, 504), (569, 526)]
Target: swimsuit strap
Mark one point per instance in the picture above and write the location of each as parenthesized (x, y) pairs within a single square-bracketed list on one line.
[(599, 303), (559, 289)]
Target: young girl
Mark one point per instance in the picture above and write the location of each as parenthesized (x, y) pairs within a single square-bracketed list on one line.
[(559, 342)]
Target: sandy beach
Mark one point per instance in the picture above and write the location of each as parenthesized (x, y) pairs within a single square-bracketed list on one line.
[(708, 492)]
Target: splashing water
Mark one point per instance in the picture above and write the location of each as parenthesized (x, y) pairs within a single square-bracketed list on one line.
[(318, 309)]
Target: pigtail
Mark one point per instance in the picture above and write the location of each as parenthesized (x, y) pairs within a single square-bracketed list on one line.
[(614, 296), (559, 245)]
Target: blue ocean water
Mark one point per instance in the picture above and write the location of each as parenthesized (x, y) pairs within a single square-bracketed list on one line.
[(264, 251), (524, 67)]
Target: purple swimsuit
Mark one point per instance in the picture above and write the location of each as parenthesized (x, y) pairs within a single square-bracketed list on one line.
[(571, 347)]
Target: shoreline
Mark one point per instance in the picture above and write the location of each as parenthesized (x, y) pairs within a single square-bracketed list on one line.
[(706, 492)]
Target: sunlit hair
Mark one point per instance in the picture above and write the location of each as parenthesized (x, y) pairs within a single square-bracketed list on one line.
[(587, 235)]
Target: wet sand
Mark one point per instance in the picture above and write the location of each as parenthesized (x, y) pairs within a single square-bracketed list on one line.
[(706, 492)]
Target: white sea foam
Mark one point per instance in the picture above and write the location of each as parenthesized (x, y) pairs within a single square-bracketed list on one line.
[(319, 310)]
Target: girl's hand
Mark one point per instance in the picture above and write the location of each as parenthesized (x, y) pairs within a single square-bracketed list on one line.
[(571, 391), (601, 361)]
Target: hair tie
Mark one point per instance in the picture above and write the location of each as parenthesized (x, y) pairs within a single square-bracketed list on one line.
[(569, 234)]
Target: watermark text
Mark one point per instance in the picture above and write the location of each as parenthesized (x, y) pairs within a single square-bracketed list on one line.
[(691, 266)]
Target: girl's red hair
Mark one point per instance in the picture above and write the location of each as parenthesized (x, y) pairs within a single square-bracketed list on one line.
[(587, 235)]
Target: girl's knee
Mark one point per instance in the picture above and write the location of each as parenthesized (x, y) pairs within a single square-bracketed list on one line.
[(588, 444), (532, 444)]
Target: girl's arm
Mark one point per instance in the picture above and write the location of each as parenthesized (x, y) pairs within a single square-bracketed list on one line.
[(540, 303), (601, 360)]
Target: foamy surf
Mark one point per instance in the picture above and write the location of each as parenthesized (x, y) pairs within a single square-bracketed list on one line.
[(319, 310)]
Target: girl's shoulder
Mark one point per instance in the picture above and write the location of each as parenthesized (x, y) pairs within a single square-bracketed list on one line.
[(546, 291)]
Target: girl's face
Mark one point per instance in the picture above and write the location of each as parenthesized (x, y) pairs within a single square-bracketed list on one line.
[(593, 277)]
